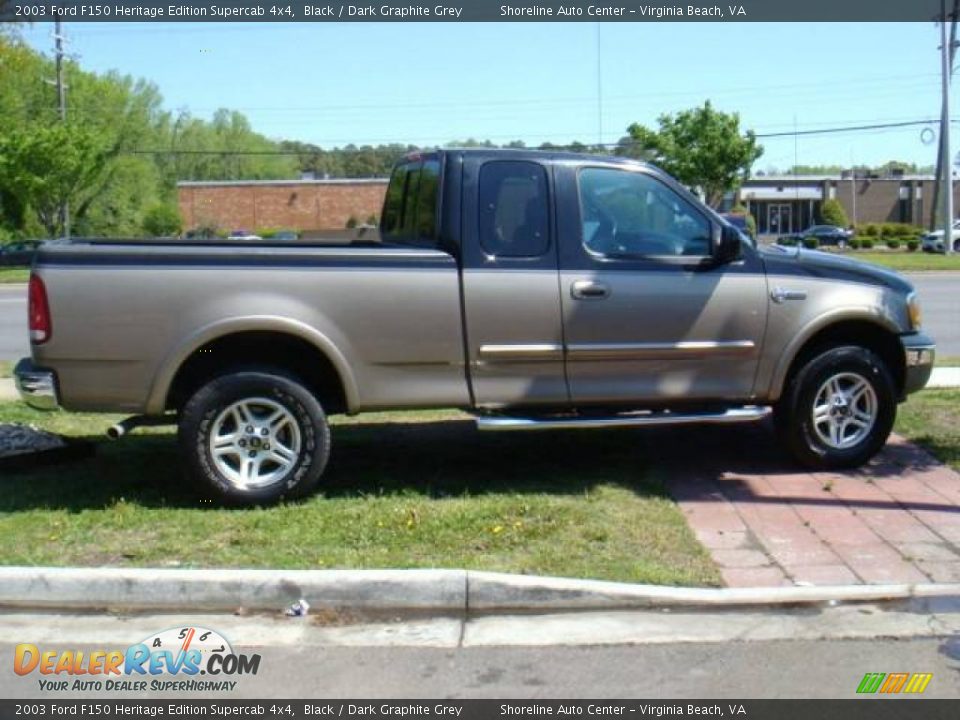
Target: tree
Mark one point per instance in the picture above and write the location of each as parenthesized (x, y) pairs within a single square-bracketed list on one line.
[(162, 221), (701, 147), (43, 167), (832, 213)]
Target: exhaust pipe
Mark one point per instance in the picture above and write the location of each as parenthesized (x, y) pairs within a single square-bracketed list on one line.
[(132, 423)]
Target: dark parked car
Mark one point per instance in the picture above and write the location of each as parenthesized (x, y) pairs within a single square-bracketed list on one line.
[(18, 253), (827, 234)]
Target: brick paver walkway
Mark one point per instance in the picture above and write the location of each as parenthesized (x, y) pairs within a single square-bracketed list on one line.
[(767, 523)]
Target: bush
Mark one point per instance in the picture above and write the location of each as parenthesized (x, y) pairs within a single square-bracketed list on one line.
[(867, 243), (162, 221), (832, 213), (352, 222), (893, 243), (913, 245), (811, 243), (266, 233), (853, 243), (787, 241), (871, 230), (373, 220)]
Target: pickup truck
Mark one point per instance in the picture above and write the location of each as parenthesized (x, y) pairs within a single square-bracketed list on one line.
[(536, 290)]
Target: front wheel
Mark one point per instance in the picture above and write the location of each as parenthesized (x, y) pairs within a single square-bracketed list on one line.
[(255, 437), (838, 410)]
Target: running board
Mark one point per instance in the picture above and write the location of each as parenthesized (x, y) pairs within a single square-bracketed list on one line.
[(575, 422)]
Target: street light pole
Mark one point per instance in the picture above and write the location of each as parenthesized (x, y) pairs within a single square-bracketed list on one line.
[(62, 103)]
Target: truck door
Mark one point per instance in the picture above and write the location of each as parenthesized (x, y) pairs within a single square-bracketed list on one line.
[(648, 316), (512, 307)]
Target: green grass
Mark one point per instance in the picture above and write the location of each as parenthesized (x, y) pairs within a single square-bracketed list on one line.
[(908, 261), (6, 369), (14, 275), (402, 490), (932, 419)]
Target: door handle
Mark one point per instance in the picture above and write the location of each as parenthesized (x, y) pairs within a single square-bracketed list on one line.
[(589, 290)]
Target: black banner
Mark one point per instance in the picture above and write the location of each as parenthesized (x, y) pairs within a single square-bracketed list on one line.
[(874, 709), (472, 11)]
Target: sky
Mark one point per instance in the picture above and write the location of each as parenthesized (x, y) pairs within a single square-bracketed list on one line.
[(432, 83)]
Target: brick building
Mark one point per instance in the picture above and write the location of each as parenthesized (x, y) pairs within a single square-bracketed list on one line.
[(784, 204), (280, 204)]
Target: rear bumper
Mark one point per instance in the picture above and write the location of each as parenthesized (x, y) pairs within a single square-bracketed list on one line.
[(919, 353), (37, 386)]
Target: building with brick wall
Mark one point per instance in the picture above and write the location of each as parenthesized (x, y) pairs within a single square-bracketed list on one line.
[(784, 204), (301, 205)]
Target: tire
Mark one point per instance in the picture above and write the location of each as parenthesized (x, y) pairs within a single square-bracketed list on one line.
[(254, 437), (838, 410)]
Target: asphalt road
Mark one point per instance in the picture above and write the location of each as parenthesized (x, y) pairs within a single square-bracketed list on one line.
[(939, 293), (777, 669)]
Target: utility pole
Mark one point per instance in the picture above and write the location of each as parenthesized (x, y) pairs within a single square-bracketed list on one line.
[(62, 103), (940, 148), (946, 68), (599, 90)]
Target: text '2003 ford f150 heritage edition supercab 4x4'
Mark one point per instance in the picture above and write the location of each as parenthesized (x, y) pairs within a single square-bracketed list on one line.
[(537, 290)]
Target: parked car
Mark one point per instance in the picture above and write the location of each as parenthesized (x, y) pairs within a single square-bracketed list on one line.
[(827, 234), (933, 242), (18, 253), (286, 236), (243, 235), (537, 291)]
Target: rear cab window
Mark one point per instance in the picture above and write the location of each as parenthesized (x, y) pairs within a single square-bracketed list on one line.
[(411, 204)]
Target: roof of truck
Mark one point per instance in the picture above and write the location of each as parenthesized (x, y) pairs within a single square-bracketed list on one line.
[(535, 154)]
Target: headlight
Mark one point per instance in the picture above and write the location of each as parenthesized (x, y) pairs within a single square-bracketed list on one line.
[(913, 311)]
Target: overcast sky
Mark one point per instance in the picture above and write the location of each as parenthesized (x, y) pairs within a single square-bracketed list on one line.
[(430, 83)]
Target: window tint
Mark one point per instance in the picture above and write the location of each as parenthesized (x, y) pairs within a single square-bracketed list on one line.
[(513, 209), (630, 214), (410, 206)]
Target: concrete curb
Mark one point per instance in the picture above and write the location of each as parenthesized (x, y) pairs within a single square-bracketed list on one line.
[(447, 591), (8, 391), (210, 590)]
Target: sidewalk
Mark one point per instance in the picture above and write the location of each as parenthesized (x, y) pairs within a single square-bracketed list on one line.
[(7, 389), (895, 520)]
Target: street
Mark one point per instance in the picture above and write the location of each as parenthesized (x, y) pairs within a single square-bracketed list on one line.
[(938, 294), (819, 651)]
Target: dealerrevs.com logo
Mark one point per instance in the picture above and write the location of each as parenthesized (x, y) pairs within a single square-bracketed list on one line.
[(190, 659)]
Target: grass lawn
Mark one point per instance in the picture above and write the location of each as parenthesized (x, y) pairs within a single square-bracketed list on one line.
[(908, 261), (932, 419), (14, 275), (6, 369), (402, 490)]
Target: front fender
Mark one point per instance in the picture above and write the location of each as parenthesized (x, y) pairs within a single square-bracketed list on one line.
[(866, 314)]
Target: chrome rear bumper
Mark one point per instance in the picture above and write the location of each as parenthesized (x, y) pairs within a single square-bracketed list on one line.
[(37, 387)]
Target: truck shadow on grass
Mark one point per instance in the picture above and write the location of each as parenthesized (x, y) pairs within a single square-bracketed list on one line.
[(433, 459)]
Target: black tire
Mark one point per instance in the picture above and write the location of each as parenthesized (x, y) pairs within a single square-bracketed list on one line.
[(304, 437), (794, 414)]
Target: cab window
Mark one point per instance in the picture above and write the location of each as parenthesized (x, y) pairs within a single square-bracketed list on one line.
[(630, 214)]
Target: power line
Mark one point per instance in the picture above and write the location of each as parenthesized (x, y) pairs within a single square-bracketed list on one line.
[(626, 143)]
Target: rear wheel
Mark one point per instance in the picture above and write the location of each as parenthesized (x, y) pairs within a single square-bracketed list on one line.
[(838, 410), (255, 437)]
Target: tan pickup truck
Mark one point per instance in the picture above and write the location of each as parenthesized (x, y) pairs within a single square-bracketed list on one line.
[(536, 290)]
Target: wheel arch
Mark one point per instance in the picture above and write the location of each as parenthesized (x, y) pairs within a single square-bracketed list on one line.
[(243, 342), (868, 331)]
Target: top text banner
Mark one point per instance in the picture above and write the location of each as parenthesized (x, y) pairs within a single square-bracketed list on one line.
[(473, 11)]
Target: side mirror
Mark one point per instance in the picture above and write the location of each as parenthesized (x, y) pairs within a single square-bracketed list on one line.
[(728, 246)]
